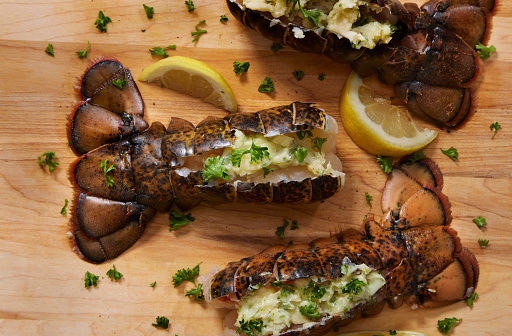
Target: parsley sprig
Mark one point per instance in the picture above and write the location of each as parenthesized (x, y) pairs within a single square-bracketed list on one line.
[(177, 220), (275, 47), (480, 221), (368, 199), (223, 18), (298, 74), (198, 31), (106, 170), (445, 325), (214, 169), (317, 143), (257, 154), (496, 126), (240, 67), (483, 51), (120, 83), (483, 242), (416, 156), (267, 86), (250, 327), (63, 210), (189, 275), (285, 289), (113, 274), (46, 159), (90, 279), (162, 51), (451, 153), (386, 163), (300, 153), (149, 11), (280, 229), (162, 322), (49, 50), (83, 53), (470, 299), (310, 311), (101, 22), (190, 5), (354, 286), (312, 15)]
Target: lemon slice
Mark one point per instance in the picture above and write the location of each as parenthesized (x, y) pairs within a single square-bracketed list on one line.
[(377, 126), (384, 333), (192, 77)]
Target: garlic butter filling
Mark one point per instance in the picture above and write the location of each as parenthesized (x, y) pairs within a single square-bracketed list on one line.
[(271, 309)]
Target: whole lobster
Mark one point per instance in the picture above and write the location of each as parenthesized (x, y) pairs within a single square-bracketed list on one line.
[(412, 252), (430, 59), (129, 170)]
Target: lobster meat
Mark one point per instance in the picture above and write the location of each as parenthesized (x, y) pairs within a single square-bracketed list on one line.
[(427, 53), (128, 170), (410, 256)]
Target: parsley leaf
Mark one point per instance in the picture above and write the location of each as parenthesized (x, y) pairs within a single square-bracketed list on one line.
[(240, 67), (197, 292), (275, 47), (496, 126), (223, 18), (161, 51), (153, 284), (190, 5), (300, 153), (101, 22), (149, 11), (386, 163), (49, 50), (267, 171), (214, 169), (483, 51), (185, 275), (162, 322), (451, 153), (236, 156), (480, 221), (302, 134), (299, 74), (90, 279), (354, 286), (120, 83), (83, 53), (368, 199), (470, 299), (392, 332), (48, 157), (257, 154), (285, 289), (198, 31), (483, 242), (445, 325), (106, 170), (295, 225), (310, 311), (250, 327), (280, 229), (321, 77), (266, 86), (315, 291), (113, 274), (63, 210), (317, 143), (177, 220), (416, 156)]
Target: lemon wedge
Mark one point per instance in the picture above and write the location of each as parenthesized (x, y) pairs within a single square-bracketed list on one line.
[(192, 77), (377, 126), (384, 333)]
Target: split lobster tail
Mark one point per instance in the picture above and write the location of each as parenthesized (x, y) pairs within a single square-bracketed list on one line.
[(410, 256)]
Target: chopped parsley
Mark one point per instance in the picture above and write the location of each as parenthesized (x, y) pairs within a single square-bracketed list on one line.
[(480, 221), (483, 242), (302, 134), (214, 169), (257, 154), (49, 50), (368, 199), (162, 322), (190, 5), (285, 289), (113, 274), (280, 229), (240, 67), (46, 159), (321, 77), (483, 51), (310, 311), (267, 171), (223, 18), (63, 210), (295, 225), (300, 153), (267, 86), (416, 156), (90, 279), (198, 31), (299, 74), (149, 11), (153, 284), (315, 291), (386, 163), (317, 143), (161, 51), (311, 15), (196, 292), (106, 170), (101, 22), (120, 83), (185, 275), (275, 47), (471, 298), (354, 286), (83, 53), (451, 153), (392, 332), (250, 327), (177, 220), (496, 126), (445, 325)]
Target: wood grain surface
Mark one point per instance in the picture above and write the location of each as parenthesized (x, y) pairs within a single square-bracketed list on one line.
[(42, 281)]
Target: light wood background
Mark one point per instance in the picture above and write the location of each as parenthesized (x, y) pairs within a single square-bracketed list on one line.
[(42, 281)]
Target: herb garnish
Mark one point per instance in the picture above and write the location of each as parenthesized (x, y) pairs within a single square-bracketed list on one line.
[(299, 74), (275, 47), (386, 163), (177, 220), (63, 210), (480, 221), (196, 292), (416, 156), (49, 50), (285, 289), (451, 153), (240, 67), (120, 83), (101, 22), (223, 18), (106, 170), (162, 322), (113, 274), (48, 157), (190, 5), (321, 77), (315, 291), (392, 332), (198, 31), (483, 51), (83, 53), (445, 325), (214, 169), (368, 199), (267, 171), (295, 225), (302, 134), (471, 298), (311, 15), (250, 327), (496, 126), (189, 275), (90, 279), (149, 11), (354, 286), (153, 284), (266, 86), (300, 153), (310, 311), (483, 242), (257, 154), (280, 229), (161, 51), (317, 143)]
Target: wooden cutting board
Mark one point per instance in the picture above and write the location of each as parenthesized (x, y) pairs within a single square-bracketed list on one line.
[(42, 281)]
